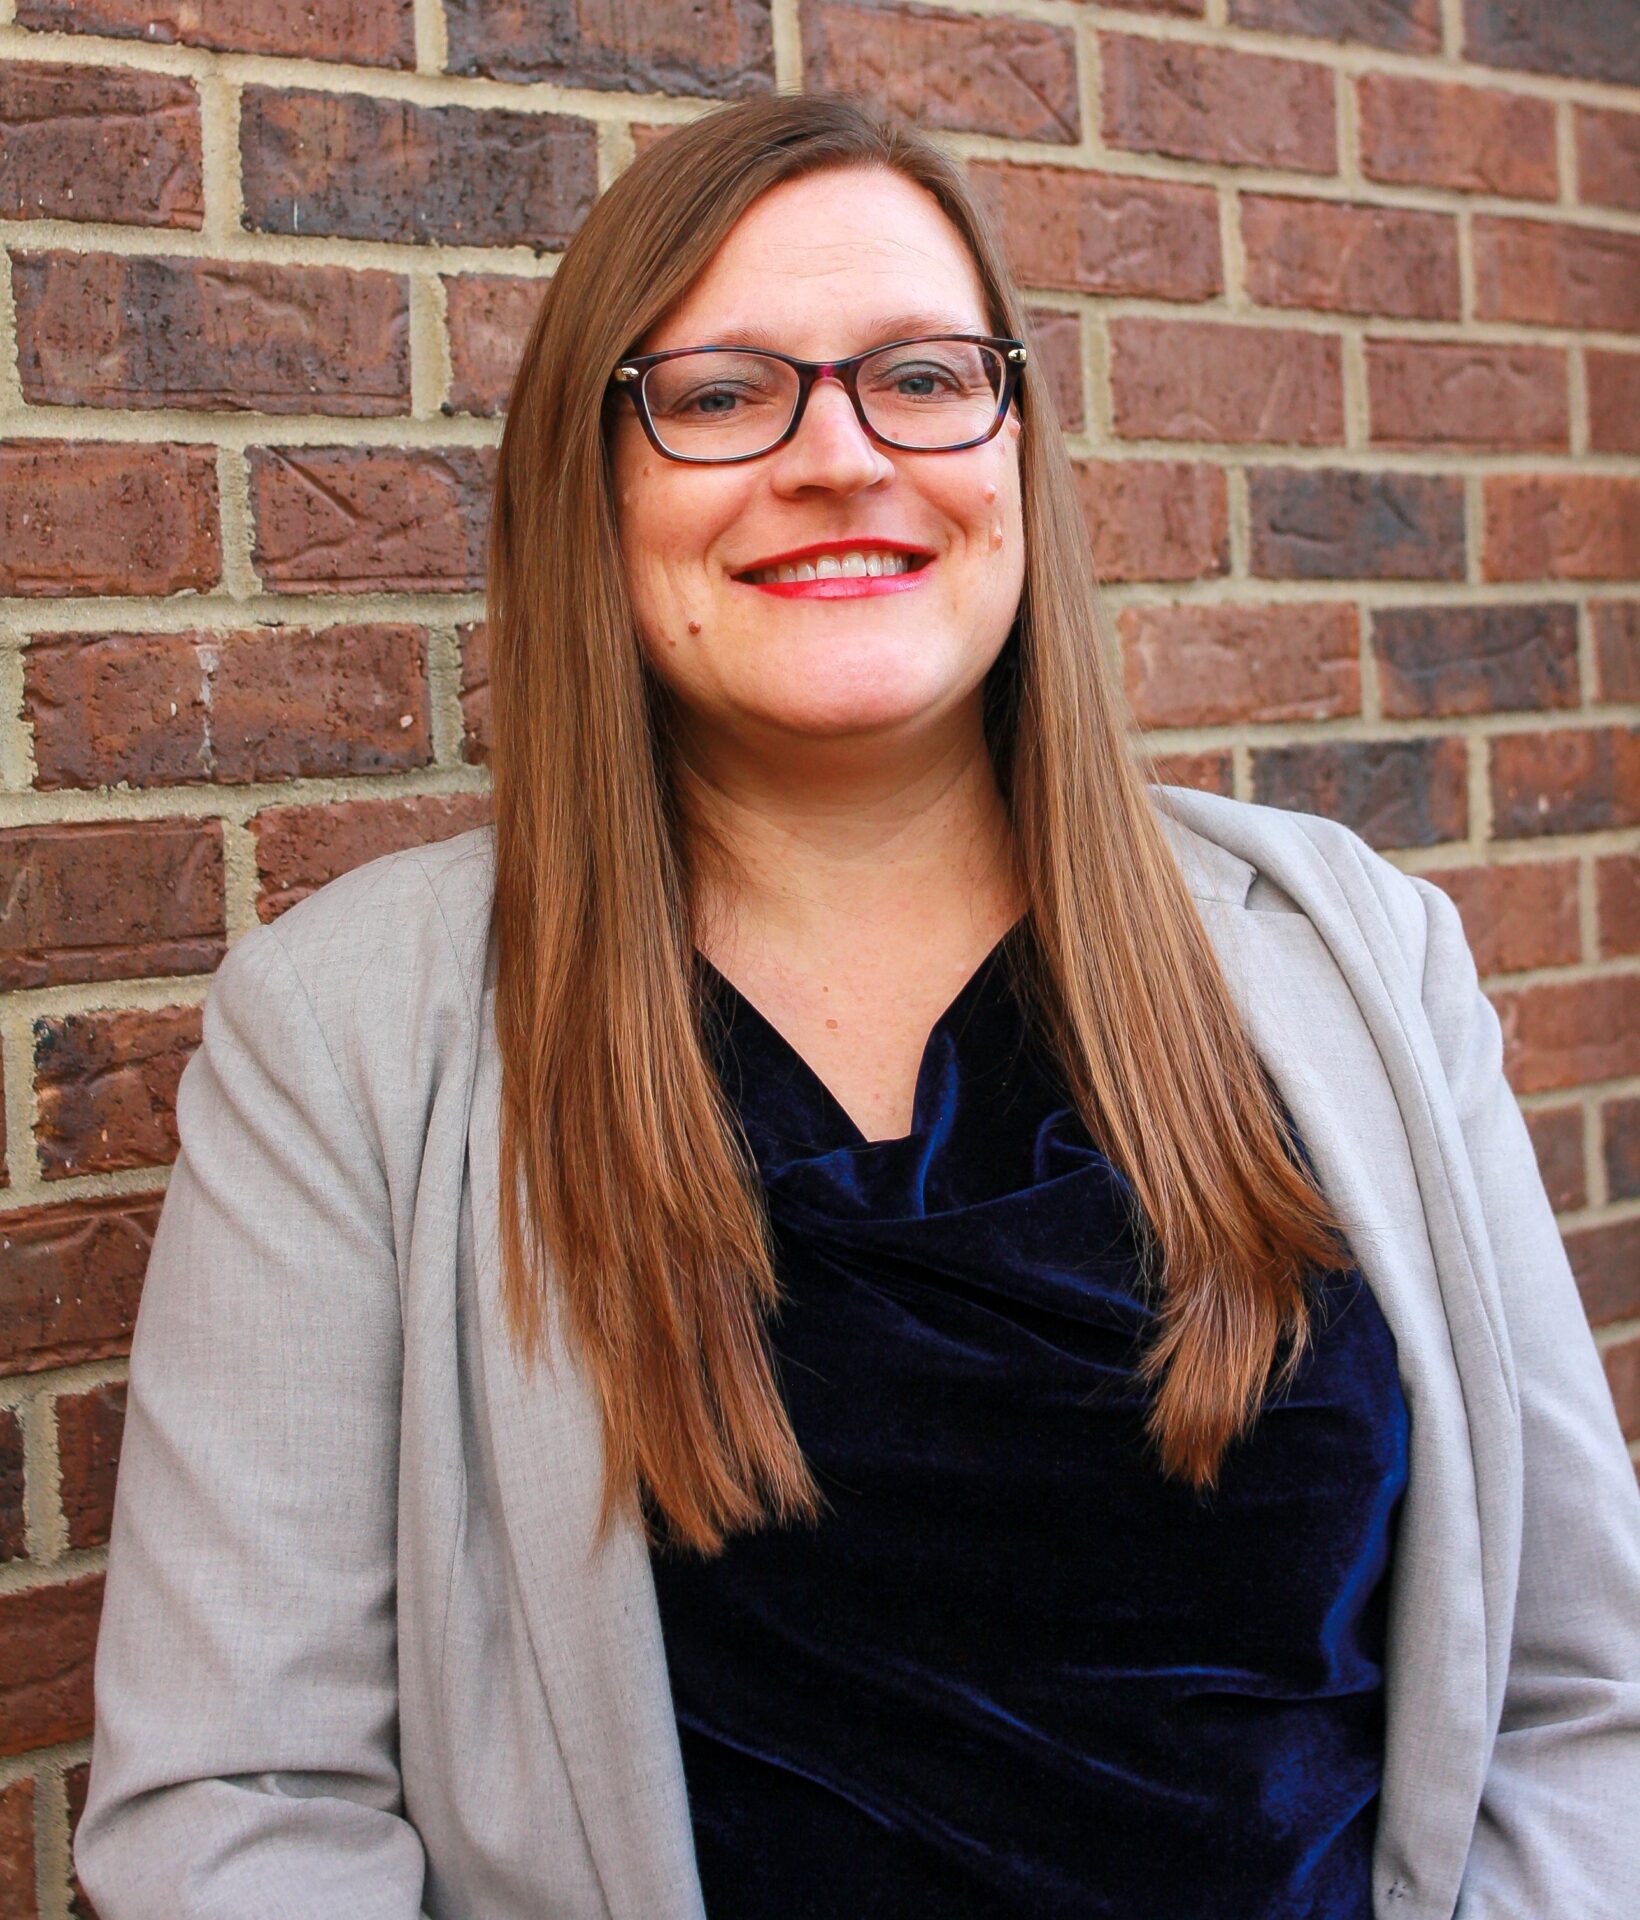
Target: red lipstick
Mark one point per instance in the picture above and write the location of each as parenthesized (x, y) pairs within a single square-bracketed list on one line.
[(844, 587)]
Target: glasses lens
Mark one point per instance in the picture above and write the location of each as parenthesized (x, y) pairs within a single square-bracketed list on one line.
[(714, 406), (932, 393)]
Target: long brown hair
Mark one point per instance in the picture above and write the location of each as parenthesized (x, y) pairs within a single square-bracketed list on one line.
[(631, 1212)]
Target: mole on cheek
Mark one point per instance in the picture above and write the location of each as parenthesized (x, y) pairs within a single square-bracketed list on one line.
[(694, 626), (991, 492), (996, 535)]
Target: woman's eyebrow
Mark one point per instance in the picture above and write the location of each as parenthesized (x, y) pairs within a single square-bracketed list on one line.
[(896, 326)]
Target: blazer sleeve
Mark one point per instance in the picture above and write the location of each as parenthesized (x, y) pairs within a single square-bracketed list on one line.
[(1555, 1833), (244, 1750)]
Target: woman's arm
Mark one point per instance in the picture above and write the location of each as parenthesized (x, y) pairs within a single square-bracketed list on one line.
[(1556, 1828), (246, 1697)]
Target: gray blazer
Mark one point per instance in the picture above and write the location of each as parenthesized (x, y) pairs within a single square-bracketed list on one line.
[(357, 1659)]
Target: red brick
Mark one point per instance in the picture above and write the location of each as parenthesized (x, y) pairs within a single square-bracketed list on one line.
[(475, 691), (957, 72), (1436, 661), (1608, 157), (1467, 394), (301, 848), (1056, 351), (1550, 274), (1614, 400), (76, 1782), (1097, 233), (1574, 780), (99, 143), (139, 330), (366, 33), (1594, 39), (89, 1427), (1432, 133), (5, 1175), (666, 46), (270, 703), (17, 1851), (13, 1525), (106, 1088), (1519, 915), (1407, 26), (1617, 647), (1313, 523), (370, 519), (73, 1279), (1207, 666), (96, 516), (1557, 1140), (1552, 526), (489, 316), (1622, 1364), (48, 1637), (1620, 1135), (1617, 903), (366, 168), (1350, 259), (1394, 793), (1564, 1033), (1606, 1263), (1209, 103), (109, 900), (1208, 772), (1183, 9), (1193, 380), (1154, 519)]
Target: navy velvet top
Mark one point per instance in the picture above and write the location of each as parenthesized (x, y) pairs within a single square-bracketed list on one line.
[(1014, 1671)]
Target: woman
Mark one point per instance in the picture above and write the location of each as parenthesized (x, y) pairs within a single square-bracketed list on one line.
[(856, 1312)]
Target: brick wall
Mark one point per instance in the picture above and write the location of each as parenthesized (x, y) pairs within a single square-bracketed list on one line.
[(1340, 301)]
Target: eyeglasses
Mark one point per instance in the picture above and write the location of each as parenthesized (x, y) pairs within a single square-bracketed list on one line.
[(936, 393)]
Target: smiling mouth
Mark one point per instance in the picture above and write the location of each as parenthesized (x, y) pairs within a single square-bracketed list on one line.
[(862, 564)]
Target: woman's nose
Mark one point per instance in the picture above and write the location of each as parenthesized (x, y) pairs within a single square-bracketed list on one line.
[(830, 447)]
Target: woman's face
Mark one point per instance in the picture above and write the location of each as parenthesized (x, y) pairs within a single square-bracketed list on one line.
[(826, 266)]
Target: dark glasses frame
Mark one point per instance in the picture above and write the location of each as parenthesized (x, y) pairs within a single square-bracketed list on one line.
[(631, 376)]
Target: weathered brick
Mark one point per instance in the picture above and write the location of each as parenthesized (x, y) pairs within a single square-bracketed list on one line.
[(270, 703), (139, 330), (1407, 26), (1099, 233), (1435, 661), (5, 1172), (958, 72), (1519, 915), (1617, 647), (1154, 519), (489, 316), (1183, 9), (1209, 103), (1563, 1033), (1573, 780), (1206, 666), (13, 1527), (1394, 793), (1313, 523), (89, 1427), (1211, 771), (1622, 1364), (1617, 903), (475, 691), (666, 46), (77, 1782), (109, 900), (366, 33), (1608, 157), (1557, 1141), (96, 516), (1620, 1144), (301, 848), (1561, 526), (1434, 133), (73, 1279), (17, 1851), (1606, 1263), (1346, 258), (366, 168), (99, 143), (1555, 275), (1467, 394), (1614, 400), (48, 1637), (1055, 339), (370, 519), (106, 1087), (1594, 39), (1194, 380)]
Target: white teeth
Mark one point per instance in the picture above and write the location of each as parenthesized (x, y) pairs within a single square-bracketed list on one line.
[(857, 563), (854, 566), (874, 564), (828, 567)]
